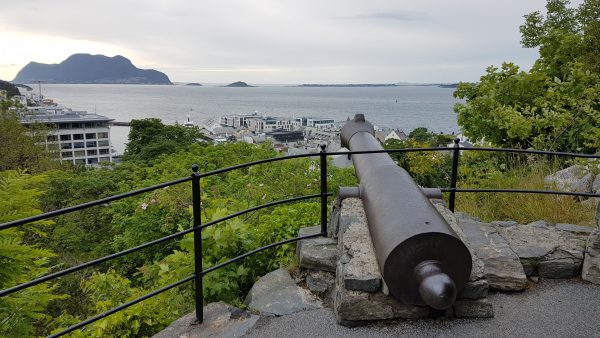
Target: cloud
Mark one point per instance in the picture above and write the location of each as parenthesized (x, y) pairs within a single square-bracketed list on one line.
[(391, 16), (272, 41)]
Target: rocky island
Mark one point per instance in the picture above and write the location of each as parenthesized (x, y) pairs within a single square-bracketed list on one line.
[(238, 84), (87, 68)]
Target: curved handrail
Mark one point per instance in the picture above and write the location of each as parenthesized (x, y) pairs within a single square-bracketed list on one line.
[(97, 261), (323, 195)]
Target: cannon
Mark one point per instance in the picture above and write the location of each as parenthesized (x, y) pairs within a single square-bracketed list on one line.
[(421, 259)]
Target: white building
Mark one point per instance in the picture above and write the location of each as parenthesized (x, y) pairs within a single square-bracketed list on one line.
[(321, 123), (238, 120), (268, 124), (77, 137), (390, 134)]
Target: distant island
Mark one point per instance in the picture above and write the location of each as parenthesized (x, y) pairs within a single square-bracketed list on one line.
[(399, 84), (87, 68), (349, 85), (238, 84), (193, 84)]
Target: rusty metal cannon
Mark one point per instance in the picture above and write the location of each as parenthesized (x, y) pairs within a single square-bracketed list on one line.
[(421, 259)]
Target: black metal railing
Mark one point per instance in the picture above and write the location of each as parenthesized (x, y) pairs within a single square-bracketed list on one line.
[(198, 226)]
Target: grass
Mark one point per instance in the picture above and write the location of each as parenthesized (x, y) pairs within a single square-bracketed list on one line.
[(523, 208)]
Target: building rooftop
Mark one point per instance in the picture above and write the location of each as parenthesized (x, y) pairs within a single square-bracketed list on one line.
[(72, 116)]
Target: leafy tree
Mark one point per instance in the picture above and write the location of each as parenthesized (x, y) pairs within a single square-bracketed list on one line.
[(420, 134), (22, 147), (149, 138), (24, 312), (554, 106), (428, 169)]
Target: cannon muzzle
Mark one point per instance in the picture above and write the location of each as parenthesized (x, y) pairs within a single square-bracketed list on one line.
[(421, 259)]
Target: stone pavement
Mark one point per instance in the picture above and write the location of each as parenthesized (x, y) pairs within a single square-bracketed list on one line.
[(551, 308)]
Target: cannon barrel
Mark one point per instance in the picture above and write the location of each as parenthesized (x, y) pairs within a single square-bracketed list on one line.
[(421, 259)]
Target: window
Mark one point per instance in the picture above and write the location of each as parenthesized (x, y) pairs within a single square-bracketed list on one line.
[(78, 145), (103, 143), (104, 159), (92, 160), (76, 125), (103, 135), (65, 154), (79, 153), (65, 146), (90, 136), (90, 144), (92, 152), (78, 136), (80, 161), (65, 137), (104, 151)]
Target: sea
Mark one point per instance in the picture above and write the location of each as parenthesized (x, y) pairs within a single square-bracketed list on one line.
[(403, 107)]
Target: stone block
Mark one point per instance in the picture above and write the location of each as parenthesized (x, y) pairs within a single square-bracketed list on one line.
[(546, 251), (591, 262), (358, 268), (474, 290), (539, 224), (353, 306), (576, 178), (320, 281), (596, 184), (277, 294), (502, 267), (352, 211), (319, 253), (561, 264), (576, 229), (220, 320), (504, 224)]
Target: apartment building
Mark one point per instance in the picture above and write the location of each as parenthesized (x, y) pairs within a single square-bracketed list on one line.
[(76, 136)]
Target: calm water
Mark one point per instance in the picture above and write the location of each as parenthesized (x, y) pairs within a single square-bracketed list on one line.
[(402, 107)]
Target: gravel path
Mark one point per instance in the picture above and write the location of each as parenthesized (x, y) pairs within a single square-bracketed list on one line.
[(552, 308)]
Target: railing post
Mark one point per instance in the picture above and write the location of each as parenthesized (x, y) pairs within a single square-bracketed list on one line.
[(323, 165), (454, 175), (196, 207)]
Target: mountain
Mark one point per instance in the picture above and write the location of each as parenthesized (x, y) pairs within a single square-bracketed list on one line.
[(87, 68), (239, 84)]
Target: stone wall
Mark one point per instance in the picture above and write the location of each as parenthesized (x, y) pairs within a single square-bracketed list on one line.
[(507, 256), (358, 290)]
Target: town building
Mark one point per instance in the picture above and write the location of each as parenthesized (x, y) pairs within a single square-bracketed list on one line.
[(268, 123), (390, 134), (75, 136), (321, 123), (238, 120)]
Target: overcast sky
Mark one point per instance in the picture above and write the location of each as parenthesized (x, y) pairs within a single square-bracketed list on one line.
[(274, 41)]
